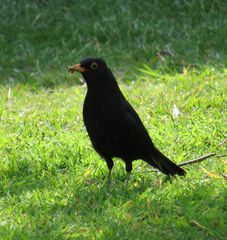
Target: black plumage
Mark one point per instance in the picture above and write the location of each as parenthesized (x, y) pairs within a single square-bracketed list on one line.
[(113, 126)]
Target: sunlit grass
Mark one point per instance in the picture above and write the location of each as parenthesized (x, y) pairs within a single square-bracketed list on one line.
[(54, 182)]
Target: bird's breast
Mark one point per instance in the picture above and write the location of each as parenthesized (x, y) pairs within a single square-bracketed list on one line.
[(113, 127), (97, 114)]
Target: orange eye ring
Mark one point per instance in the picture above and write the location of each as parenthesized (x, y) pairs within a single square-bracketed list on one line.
[(94, 66)]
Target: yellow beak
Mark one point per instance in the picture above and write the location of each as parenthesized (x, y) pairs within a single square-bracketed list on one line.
[(76, 68)]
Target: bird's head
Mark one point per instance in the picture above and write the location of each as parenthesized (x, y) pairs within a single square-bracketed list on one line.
[(94, 70)]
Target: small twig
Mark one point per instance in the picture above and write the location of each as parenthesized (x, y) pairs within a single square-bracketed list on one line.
[(200, 159), (221, 156), (164, 53), (222, 142), (224, 175), (195, 223)]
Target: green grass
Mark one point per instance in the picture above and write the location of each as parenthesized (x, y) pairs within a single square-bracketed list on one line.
[(52, 183)]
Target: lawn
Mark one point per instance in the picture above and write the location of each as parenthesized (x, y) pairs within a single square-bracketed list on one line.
[(52, 183)]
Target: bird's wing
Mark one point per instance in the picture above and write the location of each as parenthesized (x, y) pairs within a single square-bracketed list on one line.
[(134, 127)]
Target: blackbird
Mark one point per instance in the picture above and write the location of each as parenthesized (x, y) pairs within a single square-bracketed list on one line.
[(114, 127)]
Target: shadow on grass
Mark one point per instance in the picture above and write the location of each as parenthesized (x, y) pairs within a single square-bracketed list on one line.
[(54, 34), (195, 210), (51, 80), (185, 207)]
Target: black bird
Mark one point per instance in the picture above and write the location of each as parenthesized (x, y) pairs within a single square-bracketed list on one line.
[(114, 127)]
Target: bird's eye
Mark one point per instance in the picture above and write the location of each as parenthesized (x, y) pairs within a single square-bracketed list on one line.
[(94, 66)]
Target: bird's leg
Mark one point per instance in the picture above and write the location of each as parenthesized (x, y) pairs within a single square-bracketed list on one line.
[(128, 170), (108, 179), (110, 164)]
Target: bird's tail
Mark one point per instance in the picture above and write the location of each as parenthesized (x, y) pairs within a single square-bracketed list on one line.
[(161, 162)]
